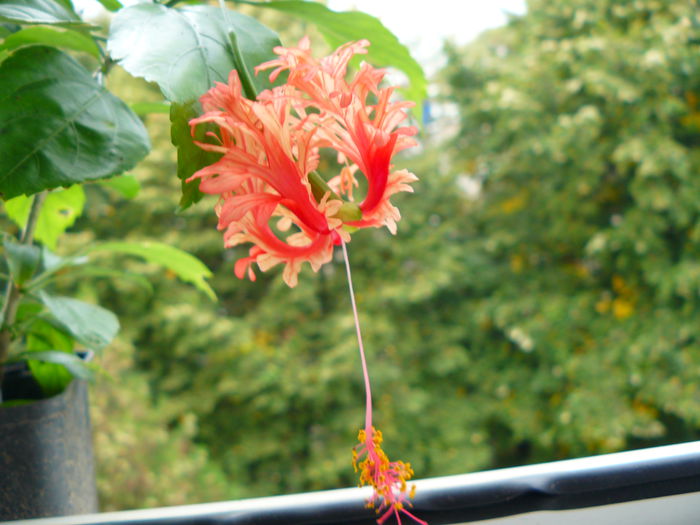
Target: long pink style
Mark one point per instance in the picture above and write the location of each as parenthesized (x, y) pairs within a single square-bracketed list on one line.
[(388, 478), (358, 331)]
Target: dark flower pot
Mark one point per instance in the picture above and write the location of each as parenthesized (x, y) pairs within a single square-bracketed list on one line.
[(46, 461)]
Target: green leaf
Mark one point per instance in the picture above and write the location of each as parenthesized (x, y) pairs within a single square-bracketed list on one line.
[(91, 325), (26, 310), (51, 262), (43, 337), (67, 361), (126, 185), (117, 275), (68, 4), (23, 260), (111, 5), (185, 266), (147, 108), (51, 376), (7, 29), (186, 50), (46, 12), (190, 157), (341, 27), (58, 126), (50, 265), (58, 213), (52, 36)]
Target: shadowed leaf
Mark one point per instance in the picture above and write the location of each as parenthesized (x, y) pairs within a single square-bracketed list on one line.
[(58, 126)]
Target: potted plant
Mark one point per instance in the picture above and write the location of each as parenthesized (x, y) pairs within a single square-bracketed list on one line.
[(46, 343), (61, 129)]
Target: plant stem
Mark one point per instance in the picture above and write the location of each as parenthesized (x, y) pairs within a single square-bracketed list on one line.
[(244, 75), (12, 292), (101, 74), (28, 233), (363, 359)]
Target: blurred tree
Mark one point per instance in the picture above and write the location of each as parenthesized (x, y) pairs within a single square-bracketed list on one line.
[(580, 121), (145, 449)]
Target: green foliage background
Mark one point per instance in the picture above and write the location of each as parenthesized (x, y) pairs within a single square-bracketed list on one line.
[(580, 120), (553, 315)]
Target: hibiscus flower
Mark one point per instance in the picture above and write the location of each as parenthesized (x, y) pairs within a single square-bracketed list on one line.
[(270, 194)]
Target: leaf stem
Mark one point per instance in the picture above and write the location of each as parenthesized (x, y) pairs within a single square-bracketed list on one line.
[(12, 291)]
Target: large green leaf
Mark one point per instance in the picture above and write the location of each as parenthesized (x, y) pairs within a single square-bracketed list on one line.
[(58, 126), (190, 157), (341, 27), (37, 12), (89, 324), (186, 50), (185, 266), (52, 36), (58, 213)]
